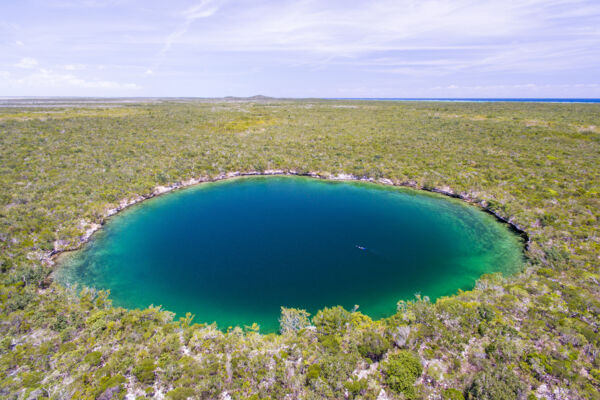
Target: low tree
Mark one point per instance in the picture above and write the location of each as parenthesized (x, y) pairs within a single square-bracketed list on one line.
[(293, 320)]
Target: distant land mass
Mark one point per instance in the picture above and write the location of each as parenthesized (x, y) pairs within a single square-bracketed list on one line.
[(255, 97), (68, 101)]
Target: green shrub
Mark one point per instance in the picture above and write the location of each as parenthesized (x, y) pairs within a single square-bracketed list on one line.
[(93, 358), (330, 343), (31, 379), (331, 320), (486, 312), (313, 373), (66, 347), (356, 386), (113, 384), (401, 372), (180, 393), (452, 394), (373, 345), (144, 371), (497, 384)]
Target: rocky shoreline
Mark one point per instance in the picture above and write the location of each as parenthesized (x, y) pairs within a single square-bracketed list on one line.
[(49, 257)]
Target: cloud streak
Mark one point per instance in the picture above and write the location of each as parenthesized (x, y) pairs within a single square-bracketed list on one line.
[(204, 9)]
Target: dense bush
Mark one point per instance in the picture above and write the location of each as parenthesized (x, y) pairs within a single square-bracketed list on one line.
[(401, 372), (496, 384), (144, 371), (373, 345), (452, 394), (332, 320), (180, 393)]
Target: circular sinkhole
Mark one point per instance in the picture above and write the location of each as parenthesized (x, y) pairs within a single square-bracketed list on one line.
[(235, 251)]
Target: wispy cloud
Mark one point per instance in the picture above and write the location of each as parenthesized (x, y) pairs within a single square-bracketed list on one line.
[(74, 67), (204, 9), (301, 47), (27, 63), (378, 26), (44, 79)]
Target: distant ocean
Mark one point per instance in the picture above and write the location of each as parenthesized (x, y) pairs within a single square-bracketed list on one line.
[(481, 100)]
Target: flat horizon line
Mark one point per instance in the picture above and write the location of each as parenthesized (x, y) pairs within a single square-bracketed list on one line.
[(265, 97)]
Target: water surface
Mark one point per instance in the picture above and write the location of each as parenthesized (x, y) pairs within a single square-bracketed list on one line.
[(235, 251)]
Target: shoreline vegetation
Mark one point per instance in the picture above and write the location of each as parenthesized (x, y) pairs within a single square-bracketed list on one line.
[(51, 256), (533, 335)]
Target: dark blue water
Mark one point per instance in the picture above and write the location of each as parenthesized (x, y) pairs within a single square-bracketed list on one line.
[(235, 251), (475, 99)]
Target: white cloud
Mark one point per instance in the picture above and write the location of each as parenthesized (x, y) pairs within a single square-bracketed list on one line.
[(4, 74), (27, 63), (74, 67), (49, 79), (19, 43)]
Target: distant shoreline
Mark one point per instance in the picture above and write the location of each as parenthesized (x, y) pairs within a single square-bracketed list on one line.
[(67, 101), (475, 99)]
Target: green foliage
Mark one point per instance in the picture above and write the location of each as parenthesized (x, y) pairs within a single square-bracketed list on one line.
[(330, 343), (31, 379), (356, 387), (180, 393), (63, 167), (93, 358), (401, 372), (452, 394), (293, 320), (332, 320), (113, 384), (373, 345), (486, 312), (144, 371), (313, 372), (496, 384)]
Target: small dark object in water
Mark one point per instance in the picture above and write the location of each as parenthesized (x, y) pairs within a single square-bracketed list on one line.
[(361, 248)]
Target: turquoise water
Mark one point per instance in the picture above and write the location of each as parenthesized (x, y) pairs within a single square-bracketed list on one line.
[(235, 251)]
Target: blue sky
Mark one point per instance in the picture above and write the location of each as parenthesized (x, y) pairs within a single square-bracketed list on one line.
[(386, 48)]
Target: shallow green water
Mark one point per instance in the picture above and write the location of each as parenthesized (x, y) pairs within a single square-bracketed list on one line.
[(235, 251)]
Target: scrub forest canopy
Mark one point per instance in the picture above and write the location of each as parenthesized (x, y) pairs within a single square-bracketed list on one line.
[(65, 164)]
